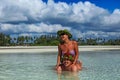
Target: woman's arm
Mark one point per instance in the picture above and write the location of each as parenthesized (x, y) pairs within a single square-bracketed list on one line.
[(76, 51), (59, 56)]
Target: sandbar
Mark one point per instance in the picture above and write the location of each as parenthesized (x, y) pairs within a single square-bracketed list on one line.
[(42, 49)]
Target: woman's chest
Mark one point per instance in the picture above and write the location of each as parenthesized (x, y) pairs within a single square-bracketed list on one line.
[(67, 47)]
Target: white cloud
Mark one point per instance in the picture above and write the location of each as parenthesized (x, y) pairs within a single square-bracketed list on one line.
[(85, 12), (113, 18), (32, 28), (28, 16)]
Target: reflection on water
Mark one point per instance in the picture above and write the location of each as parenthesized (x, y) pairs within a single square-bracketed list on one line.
[(97, 65), (66, 75)]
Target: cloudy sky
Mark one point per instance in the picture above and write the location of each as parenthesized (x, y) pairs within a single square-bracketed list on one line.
[(92, 18)]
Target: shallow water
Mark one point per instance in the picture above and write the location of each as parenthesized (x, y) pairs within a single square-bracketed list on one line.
[(97, 65)]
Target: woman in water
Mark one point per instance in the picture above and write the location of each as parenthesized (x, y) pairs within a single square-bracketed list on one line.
[(67, 59)]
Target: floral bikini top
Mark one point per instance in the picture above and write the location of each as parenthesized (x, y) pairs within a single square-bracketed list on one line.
[(72, 52), (68, 56)]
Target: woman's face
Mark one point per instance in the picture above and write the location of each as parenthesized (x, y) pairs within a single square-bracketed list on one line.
[(64, 37), (67, 63)]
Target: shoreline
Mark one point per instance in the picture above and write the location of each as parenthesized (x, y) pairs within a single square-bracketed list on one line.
[(42, 49)]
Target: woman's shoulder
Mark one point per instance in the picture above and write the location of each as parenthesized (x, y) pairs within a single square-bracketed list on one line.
[(74, 42)]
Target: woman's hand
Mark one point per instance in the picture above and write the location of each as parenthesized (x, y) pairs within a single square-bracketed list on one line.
[(56, 67), (73, 64)]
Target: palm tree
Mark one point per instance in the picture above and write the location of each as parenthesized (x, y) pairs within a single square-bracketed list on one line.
[(2, 39), (21, 40)]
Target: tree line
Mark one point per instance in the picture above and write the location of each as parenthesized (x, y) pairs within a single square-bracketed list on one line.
[(50, 40)]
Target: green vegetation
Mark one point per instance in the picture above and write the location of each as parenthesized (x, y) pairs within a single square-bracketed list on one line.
[(45, 40), (4, 40), (50, 40), (98, 41)]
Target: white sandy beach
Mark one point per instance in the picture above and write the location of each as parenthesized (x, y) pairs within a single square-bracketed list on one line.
[(41, 49)]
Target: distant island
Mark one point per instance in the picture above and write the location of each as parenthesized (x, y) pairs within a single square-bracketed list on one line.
[(51, 40)]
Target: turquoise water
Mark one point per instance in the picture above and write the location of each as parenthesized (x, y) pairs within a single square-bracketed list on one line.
[(97, 65)]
